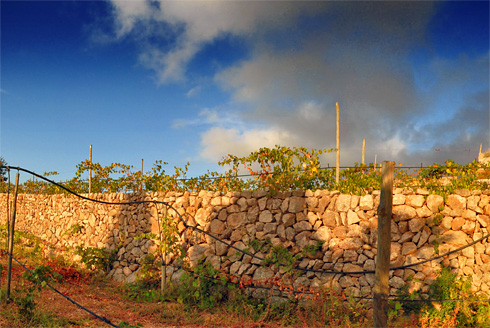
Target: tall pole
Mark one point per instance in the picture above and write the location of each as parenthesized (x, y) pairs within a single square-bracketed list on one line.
[(141, 187), (337, 168), (479, 153), (363, 150), (381, 288), (90, 173), (11, 238)]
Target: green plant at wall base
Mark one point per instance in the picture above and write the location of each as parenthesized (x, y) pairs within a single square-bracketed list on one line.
[(205, 289), (437, 219), (96, 259), (281, 256), (39, 277), (74, 229), (471, 311)]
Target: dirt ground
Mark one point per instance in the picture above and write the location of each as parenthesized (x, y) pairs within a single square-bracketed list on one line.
[(105, 298)]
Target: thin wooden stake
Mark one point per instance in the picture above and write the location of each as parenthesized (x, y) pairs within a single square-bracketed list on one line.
[(90, 173), (337, 168), (363, 150), (11, 238), (141, 187), (381, 288)]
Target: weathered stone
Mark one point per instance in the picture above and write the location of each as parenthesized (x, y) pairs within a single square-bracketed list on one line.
[(424, 236), (348, 267), (455, 238), (403, 212), (217, 227), (425, 252), (434, 202), (265, 216), (398, 199), (484, 220), (329, 219), (366, 203), (352, 218), (236, 220), (197, 253), (312, 202), (415, 225), (302, 226), (203, 216), (408, 248), (322, 234), (468, 227), (415, 200), (457, 223), (302, 239), (296, 204), (406, 237), (323, 203), (288, 219), (457, 204), (423, 212), (351, 243), (343, 203), (469, 215)]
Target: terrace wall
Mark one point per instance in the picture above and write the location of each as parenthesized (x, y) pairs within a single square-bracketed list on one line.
[(422, 225)]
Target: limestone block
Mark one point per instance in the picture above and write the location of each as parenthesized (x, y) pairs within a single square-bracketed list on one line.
[(403, 212), (455, 238), (329, 219), (434, 201), (351, 243), (236, 220), (398, 199), (265, 216), (302, 226), (468, 227), (415, 200), (343, 203), (457, 204), (217, 227), (288, 219), (352, 218), (423, 212), (354, 202), (484, 220), (415, 225), (366, 203), (469, 215), (408, 248), (457, 223), (203, 216), (296, 204), (312, 202), (322, 234)]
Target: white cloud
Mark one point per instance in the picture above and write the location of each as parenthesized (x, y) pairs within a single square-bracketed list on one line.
[(304, 57), (192, 92), (219, 141), (194, 23)]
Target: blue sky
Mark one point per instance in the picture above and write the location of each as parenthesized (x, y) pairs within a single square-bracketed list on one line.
[(193, 81)]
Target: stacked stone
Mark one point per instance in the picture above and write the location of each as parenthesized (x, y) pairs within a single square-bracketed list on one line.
[(423, 226)]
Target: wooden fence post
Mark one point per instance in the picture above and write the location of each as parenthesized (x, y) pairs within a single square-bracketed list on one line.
[(363, 151), (381, 288), (11, 238), (90, 173), (337, 168)]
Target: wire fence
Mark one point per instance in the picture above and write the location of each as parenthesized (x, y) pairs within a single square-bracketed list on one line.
[(244, 252)]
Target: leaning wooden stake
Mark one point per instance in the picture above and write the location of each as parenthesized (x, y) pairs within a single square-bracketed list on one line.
[(337, 168), (363, 151), (381, 287), (11, 238)]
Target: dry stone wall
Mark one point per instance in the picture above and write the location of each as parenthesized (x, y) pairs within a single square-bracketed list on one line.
[(423, 225)]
